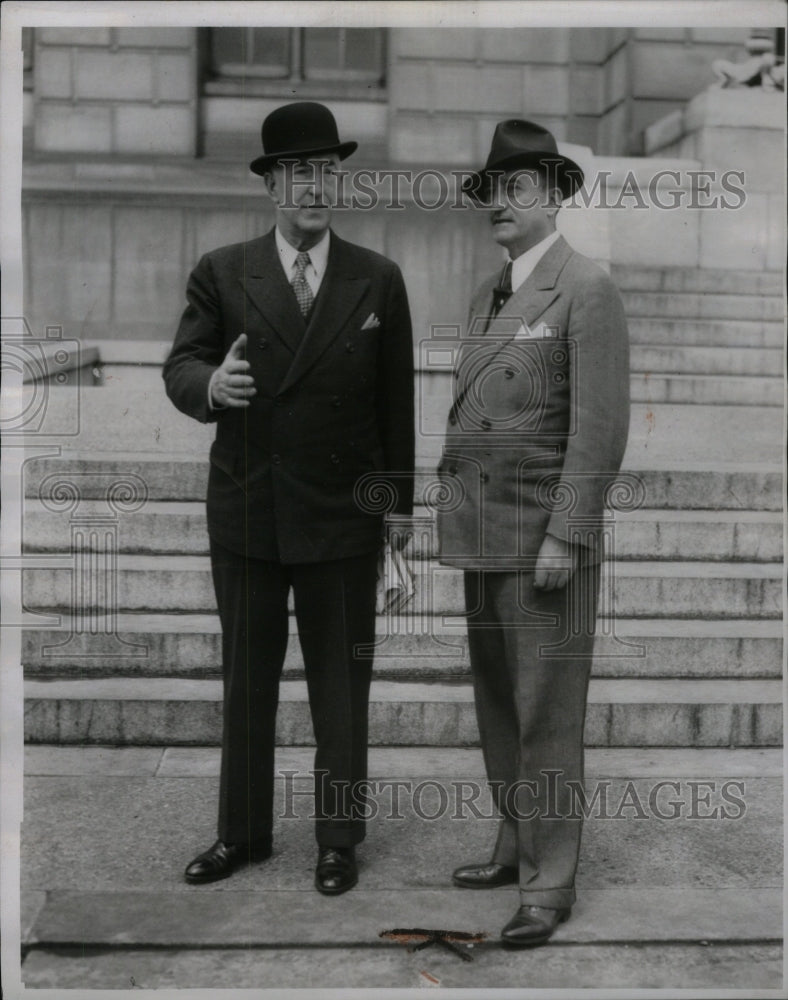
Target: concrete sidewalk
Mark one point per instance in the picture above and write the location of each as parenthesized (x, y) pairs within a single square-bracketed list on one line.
[(680, 903)]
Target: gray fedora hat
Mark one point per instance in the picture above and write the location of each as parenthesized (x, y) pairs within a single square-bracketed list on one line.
[(519, 143)]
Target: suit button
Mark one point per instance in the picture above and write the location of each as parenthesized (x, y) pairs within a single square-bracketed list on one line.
[(275, 459), (452, 419), (336, 402), (350, 347), (486, 424), (335, 459), (262, 343)]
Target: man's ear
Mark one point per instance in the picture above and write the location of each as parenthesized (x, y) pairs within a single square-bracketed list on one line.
[(271, 187)]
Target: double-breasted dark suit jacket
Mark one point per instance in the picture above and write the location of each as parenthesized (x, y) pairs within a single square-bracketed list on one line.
[(538, 427), (334, 400)]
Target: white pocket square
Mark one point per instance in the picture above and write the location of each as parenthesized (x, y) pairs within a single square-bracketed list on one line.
[(371, 322), (537, 333)]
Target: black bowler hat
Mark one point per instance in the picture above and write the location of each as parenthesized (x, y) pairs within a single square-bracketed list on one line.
[(299, 130), (518, 143)]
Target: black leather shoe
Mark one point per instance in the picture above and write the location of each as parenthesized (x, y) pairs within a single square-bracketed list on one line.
[(532, 926), (484, 876), (336, 870), (221, 860)]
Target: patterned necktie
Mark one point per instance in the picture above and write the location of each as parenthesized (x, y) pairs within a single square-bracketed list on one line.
[(301, 286)]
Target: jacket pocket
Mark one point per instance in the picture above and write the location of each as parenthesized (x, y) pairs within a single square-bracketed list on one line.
[(227, 462)]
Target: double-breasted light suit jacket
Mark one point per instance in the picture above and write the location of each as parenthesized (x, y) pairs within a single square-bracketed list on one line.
[(334, 401), (539, 422)]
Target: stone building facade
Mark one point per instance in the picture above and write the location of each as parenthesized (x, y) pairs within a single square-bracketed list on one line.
[(137, 142)]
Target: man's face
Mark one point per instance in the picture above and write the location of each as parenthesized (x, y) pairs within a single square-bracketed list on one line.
[(523, 210), (305, 192)]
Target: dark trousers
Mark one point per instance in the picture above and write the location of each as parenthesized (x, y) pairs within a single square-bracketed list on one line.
[(531, 705), (335, 612)]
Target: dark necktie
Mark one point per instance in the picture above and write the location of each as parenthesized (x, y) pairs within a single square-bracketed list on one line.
[(503, 290), (301, 286), (501, 293)]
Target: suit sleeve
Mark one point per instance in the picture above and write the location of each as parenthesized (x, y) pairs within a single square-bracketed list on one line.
[(395, 394), (198, 349), (599, 374)]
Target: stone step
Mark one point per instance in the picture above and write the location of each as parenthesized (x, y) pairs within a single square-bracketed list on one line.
[(189, 645), (166, 527), (684, 484), (601, 763), (658, 360), (704, 965), (663, 360), (710, 437), (702, 305), (104, 906), (679, 331), (662, 435), (282, 918), (629, 278), (650, 386), (730, 390), (639, 589), (155, 711)]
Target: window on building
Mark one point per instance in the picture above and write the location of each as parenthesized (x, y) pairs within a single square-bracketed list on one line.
[(300, 61)]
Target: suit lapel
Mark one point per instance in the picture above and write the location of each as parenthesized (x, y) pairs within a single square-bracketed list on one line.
[(536, 294), (538, 291), (341, 289), (266, 284)]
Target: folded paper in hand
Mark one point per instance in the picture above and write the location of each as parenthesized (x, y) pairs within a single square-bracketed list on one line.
[(395, 581)]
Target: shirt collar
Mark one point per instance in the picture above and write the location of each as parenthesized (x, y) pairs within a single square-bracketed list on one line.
[(523, 266), (318, 254)]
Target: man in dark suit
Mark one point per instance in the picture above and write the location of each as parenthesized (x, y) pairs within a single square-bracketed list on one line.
[(535, 437), (298, 344)]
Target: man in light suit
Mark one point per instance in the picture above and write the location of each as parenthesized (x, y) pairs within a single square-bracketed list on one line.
[(535, 437), (298, 344)]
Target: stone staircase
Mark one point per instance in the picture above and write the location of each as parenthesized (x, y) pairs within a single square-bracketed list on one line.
[(689, 649)]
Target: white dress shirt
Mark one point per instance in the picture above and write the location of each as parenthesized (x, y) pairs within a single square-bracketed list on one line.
[(318, 259), (315, 269), (523, 266)]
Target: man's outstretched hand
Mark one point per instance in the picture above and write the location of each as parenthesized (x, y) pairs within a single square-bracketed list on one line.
[(555, 563), (230, 385)]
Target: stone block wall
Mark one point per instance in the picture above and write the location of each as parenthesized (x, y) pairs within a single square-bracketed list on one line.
[(599, 87), (125, 91), (136, 91), (121, 195), (668, 67), (448, 88), (734, 130)]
